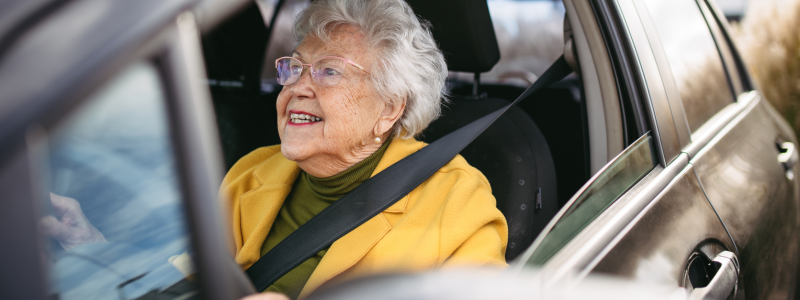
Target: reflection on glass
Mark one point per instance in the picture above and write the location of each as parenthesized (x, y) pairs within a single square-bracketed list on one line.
[(693, 58), (625, 171), (114, 157)]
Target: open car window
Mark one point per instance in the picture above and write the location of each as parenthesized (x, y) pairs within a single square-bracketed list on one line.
[(607, 186), (114, 156)]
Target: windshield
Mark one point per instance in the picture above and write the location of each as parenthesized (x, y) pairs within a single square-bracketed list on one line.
[(110, 172)]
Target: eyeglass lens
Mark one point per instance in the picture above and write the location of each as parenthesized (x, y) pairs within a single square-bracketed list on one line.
[(325, 72)]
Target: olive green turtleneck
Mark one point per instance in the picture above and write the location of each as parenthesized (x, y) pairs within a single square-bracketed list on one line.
[(309, 196)]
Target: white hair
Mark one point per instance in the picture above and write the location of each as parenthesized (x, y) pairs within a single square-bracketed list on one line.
[(409, 64)]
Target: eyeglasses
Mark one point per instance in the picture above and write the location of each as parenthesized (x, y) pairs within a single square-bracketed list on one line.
[(325, 71)]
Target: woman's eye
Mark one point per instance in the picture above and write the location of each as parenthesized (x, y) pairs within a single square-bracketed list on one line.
[(330, 72)]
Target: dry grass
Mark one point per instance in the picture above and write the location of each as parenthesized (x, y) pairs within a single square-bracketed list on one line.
[(769, 40)]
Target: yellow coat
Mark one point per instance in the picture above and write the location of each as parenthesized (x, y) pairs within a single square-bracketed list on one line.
[(450, 219)]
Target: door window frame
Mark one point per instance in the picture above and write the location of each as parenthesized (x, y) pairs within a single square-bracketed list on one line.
[(632, 92), (725, 53), (199, 159), (680, 122), (724, 40), (656, 100)]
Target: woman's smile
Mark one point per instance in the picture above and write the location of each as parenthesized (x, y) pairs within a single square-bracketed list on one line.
[(301, 118)]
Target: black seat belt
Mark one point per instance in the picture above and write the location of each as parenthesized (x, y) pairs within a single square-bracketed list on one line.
[(379, 192)]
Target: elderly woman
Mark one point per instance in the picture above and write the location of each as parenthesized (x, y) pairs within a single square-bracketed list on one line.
[(366, 78)]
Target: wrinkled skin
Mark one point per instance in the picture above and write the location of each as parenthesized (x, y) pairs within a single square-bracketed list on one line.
[(352, 113)]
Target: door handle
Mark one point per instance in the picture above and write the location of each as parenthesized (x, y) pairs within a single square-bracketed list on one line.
[(724, 280), (788, 158)]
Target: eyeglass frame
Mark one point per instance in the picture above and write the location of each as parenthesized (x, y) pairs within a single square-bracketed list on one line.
[(315, 61)]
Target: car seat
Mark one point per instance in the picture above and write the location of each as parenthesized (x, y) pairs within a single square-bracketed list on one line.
[(512, 153)]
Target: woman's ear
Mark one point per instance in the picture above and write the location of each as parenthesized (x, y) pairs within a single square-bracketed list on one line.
[(392, 111)]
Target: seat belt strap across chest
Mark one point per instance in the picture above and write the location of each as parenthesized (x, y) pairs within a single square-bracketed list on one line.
[(378, 193)]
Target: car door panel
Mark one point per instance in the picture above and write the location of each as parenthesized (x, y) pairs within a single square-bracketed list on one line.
[(656, 245), (750, 191)]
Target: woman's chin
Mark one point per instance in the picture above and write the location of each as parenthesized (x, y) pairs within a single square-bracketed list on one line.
[(294, 151)]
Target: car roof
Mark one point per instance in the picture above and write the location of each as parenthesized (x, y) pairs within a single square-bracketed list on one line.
[(57, 51)]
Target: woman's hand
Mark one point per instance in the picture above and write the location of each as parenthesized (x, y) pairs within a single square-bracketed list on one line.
[(267, 296), (73, 229)]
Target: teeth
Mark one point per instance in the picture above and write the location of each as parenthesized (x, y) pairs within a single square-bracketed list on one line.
[(303, 118)]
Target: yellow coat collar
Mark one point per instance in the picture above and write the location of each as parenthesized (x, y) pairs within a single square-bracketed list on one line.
[(261, 205)]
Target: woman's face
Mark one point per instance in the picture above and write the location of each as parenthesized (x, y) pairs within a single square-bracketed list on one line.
[(350, 114)]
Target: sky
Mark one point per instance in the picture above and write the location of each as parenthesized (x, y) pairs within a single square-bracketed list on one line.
[(732, 7)]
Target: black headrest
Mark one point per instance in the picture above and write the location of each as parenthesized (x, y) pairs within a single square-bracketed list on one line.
[(464, 31), (234, 50)]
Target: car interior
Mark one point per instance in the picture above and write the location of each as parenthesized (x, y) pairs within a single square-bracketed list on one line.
[(535, 157)]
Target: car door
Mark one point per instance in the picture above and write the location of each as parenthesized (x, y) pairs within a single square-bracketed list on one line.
[(740, 149), (112, 120), (745, 159), (644, 215)]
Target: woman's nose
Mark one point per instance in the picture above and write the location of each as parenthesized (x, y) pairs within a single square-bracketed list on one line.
[(303, 86)]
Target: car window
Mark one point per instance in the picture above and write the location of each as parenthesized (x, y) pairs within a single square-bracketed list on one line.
[(613, 181), (114, 156), (693, 58), (530, 35)]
